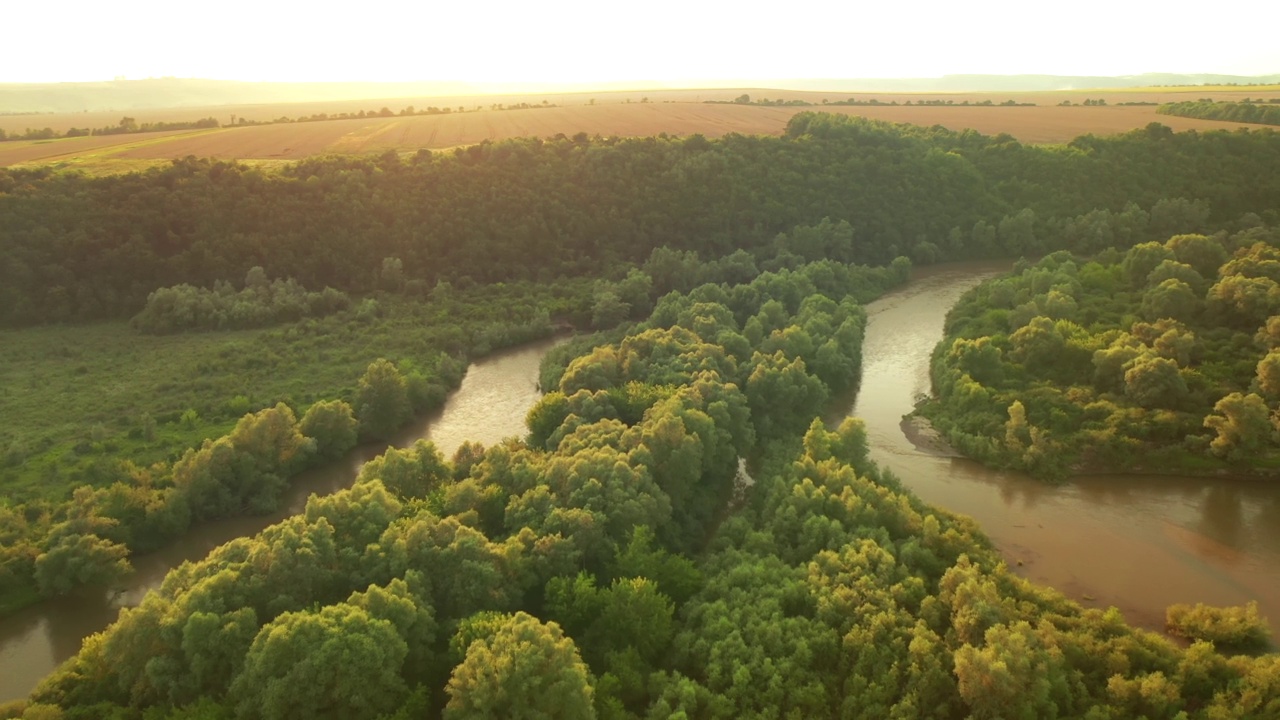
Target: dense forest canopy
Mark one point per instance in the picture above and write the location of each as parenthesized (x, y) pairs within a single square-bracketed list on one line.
[(79, 247), (1163, 356), (591, 570)]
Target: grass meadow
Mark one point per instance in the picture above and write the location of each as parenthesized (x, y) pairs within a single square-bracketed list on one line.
[(78, 399)]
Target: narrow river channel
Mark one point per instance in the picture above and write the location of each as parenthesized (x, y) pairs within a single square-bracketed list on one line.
[(490, 405), (1139, 543)]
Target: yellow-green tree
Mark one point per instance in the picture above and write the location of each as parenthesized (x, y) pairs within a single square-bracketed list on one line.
[(525, 670)]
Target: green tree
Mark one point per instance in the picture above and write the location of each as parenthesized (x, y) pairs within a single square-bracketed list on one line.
[(608, 309), (1154, 382), (338, 662), (525, 670), (1234, 628), (391, 275), (333, 426), (1268, 375), (1242, 423), (79, 559), (409, 472), (1172, 298), (1142, 259), (1202, 253), (382, 400), (782, 395)]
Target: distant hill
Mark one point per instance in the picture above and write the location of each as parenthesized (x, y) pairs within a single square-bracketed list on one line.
[(126, 95), (1020, 83), (182, 92)]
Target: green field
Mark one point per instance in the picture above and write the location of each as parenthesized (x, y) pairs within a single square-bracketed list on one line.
[(88, 396)]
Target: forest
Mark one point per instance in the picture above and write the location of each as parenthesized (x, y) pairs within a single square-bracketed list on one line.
[(1245, 111), (80, 248), (325, 303), (1163, 356), (615, 564)]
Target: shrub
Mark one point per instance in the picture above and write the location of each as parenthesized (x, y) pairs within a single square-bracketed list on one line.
[(1230, 628)]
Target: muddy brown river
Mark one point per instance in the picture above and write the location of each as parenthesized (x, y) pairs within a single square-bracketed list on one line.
[(1139, 543)]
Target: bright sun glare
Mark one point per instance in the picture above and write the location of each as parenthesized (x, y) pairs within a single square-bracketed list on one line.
[(667, 41)]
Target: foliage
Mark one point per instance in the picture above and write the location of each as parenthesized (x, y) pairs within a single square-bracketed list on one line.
[(828, 592), (525, 669), (1237, 628), (821, 589), (260, 303), (154, 428), (1245, 112), (332, 425), (1151, 362), (833, 186), (382, 400)]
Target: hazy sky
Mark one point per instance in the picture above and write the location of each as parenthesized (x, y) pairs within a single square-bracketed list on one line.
[(661, 40)]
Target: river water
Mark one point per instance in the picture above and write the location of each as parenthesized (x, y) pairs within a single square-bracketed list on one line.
[(1139, 543), (490, 405)]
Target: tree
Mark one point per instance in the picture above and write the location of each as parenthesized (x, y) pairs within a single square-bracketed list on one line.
[(1243, 425), (783, 396), (1247, 300), (332, 424), (409, 472), (608, 309), (382, 400), (676, 576), (628, 615), (1268, 374), (391, 276), (1154, 382), (339, 662), (524, 670), (1203, 254), (1016, 673), (79, 559), (1233, 628), (1142, 259)]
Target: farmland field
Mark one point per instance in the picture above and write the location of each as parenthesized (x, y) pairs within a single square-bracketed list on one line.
[(674, 113)]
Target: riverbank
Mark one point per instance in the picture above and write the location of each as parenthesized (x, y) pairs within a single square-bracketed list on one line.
[(1055, 470), (1136, 542), (926, 438), (489, 404)]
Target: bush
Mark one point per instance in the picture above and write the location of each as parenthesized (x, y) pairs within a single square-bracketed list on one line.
[(1233, 628)]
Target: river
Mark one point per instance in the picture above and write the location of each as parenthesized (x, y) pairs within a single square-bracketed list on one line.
[(1138, 542), (489, 405)]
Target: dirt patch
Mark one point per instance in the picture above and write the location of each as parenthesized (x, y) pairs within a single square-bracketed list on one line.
[(926, 438)]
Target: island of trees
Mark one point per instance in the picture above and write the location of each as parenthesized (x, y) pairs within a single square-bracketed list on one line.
[(1160, 357)]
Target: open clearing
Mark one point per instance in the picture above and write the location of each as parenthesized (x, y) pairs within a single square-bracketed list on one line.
[(673, 113)]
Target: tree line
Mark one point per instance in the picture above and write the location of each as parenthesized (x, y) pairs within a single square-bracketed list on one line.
[(126, 126), (1244, 112), (530, 209)]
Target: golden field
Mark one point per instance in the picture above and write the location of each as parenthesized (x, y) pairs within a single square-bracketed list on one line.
[(608, 114)]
